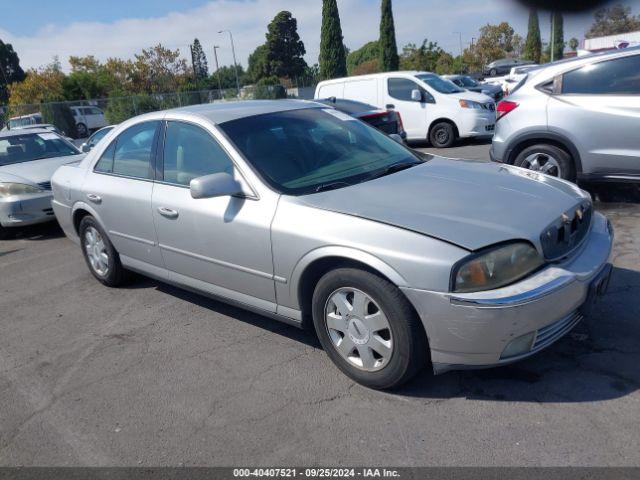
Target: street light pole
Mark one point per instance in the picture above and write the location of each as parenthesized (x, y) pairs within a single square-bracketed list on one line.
[(215, 56), (235, 64), (461, 52)]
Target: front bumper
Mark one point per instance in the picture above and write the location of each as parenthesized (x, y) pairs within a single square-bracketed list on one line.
[(472, 330), (476, 123), (23, 210)]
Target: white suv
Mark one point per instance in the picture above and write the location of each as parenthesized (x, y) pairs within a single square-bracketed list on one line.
[(88, 119), (431, 107)]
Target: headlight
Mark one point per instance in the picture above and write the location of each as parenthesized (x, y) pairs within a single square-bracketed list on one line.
[(495, 267), (470, 104), (8, 189)]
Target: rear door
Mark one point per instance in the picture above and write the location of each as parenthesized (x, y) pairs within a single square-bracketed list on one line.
[(119, 189), (598, 108), (414, 113)]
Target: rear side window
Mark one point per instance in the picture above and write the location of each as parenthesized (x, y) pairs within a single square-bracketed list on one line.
[(191, 152), (620, 76)]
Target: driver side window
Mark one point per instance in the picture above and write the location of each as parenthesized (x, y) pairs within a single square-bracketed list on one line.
[(401, 88)]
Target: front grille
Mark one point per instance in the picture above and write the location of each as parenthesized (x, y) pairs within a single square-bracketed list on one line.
[(48, 211), (45, 185), (566, 232), (549, 334)]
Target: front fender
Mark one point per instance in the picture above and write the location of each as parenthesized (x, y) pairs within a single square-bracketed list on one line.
[(348, 253)]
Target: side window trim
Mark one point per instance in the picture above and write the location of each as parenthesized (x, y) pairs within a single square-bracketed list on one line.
[(153, 158)]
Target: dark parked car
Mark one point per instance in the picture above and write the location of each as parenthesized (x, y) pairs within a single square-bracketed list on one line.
[(504, 66), (387, 121), (468, 83)]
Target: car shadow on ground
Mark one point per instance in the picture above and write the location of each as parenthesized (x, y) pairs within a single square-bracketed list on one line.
[(605, 194), (43, 231), (462, 142)]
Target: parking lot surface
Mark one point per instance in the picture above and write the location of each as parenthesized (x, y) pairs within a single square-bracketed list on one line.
[(152, 375)]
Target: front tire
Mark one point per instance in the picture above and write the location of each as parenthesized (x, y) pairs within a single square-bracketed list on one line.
[(442, 135), (368, 328), (81, 130), (101, 257), (547, 159)]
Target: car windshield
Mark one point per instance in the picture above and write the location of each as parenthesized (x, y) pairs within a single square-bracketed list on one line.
[(309, 150), (33, 146), (439, 84)]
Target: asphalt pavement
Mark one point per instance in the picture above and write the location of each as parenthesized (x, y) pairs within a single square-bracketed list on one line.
[(153, 375)]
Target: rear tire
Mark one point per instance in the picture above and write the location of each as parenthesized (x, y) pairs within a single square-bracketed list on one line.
[(81, 130), (101, 257), (549, 159), (368, 328), (442, 135)]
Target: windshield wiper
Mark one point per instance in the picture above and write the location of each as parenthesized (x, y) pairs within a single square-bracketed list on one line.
[(393, 168), (331, 186)]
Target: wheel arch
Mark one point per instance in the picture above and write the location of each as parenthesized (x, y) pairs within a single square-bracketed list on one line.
[(529, 139), (81, 210), (315, 264), (444, 120)]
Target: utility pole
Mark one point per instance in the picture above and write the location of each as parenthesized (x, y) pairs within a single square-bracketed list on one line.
[(235, 64), (215, 56), (551, 46), (461, 51)]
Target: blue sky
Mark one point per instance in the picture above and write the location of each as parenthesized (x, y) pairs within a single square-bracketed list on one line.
[(41, 29)]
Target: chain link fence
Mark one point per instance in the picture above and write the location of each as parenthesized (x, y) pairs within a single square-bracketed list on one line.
[(119, 109)]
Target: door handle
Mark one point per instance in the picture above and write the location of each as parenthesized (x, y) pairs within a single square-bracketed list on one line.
[(94, 198), (167, 212)]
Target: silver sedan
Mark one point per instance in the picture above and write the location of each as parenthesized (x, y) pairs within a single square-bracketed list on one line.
[(304, 214), (28, 158)]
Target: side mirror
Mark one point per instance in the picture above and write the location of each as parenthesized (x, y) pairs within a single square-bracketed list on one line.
[(416, 95), (397, 138), (215, 185), (85, 147)]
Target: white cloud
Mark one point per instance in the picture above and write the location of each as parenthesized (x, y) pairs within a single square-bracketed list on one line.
[(248, 19)]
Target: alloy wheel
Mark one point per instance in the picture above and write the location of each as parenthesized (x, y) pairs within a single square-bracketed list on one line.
[(359, 329), (543, 163), (96, 251)]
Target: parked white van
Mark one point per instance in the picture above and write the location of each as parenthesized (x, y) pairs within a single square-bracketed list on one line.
[(88, 119), (431, 107)]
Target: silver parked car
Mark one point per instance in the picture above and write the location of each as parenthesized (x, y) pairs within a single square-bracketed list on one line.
[(308, 215), (577, 119), (28, 158)]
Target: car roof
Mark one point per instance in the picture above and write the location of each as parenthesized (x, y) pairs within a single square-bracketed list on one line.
[(222, 112), (21, 131)]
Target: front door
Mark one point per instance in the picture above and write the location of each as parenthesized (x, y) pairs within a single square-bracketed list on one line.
[(413, 112), (119, 190), (221, 245)]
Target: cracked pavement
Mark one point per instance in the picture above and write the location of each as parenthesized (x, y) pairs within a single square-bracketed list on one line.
[(152, 375)]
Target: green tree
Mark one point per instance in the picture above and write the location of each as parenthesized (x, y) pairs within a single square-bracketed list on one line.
[(613, 20), (533, 44), (158, 70), (389, 60), (199, 60), (558, 36), (258, 64), (424, 57), (494, 42), (332, 58), (10, 70), (574, 43), (285, 50), (228, 77), (369, 52)]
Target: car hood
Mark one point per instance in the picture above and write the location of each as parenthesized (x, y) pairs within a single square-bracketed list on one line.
[(473, 96), (467, 203), (36, 171)]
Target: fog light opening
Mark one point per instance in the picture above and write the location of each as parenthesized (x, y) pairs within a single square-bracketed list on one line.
[(519, 346)]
